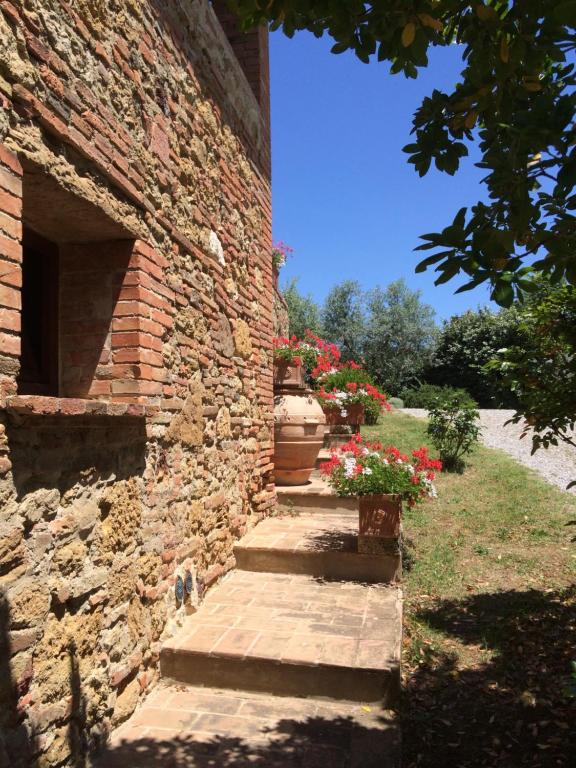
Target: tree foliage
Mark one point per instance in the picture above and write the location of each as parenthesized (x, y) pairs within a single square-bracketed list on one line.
[(541, 367), (515, 98), (343, 320), (465, 344), (303, 312), (400, 335), (389, 329)]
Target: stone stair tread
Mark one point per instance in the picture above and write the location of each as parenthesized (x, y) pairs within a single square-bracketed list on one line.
[(322, 545), (316, 487), (296, 620), (304, 532), (190, 727)]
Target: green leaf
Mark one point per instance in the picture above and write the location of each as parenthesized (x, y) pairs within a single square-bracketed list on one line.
[(472, 284), (339, 48), (503, 294), (565, 13), (425, 263), (448, 272)]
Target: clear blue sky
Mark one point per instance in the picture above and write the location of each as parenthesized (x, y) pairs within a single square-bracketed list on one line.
[(344, 196)]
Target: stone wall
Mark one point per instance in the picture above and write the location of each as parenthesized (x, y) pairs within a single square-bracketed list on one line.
[(131, 138)]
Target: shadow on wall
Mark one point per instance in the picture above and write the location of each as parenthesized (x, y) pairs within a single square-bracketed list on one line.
[(64, 451), (41, 694), (513, 710), (19, 744)]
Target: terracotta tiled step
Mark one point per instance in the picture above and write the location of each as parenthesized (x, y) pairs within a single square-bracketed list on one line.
[(191, 727), (316, 496), (292, 635), (319, 545)]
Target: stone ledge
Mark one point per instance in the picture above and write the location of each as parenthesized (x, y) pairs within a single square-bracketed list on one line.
[(38, 405)]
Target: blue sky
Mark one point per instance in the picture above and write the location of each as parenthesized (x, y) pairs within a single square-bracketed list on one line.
[(344, 196)]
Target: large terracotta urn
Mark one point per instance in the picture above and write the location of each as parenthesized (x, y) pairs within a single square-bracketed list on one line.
[(298, 435)]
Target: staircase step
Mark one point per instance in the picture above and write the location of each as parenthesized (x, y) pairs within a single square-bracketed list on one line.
[(191, 727), (292, 635), (316, 496), (323, 545)]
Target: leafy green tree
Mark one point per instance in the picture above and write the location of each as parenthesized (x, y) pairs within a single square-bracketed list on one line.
[(515, 98), (465, 344), (541, 367), (343, 319), (303, 312), (400, 335)]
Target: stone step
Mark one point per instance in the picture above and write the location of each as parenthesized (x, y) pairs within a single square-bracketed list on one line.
[(292, 635), (192, 727), (323, 545), (316, 496)]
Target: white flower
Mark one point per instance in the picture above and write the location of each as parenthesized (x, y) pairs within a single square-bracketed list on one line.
[(349, 466), (366, 471), (343, 413)]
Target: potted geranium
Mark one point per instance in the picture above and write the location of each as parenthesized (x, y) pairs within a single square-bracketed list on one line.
[(296, 360), (292, 358), (382, 479), (280, 252), (349, 402)]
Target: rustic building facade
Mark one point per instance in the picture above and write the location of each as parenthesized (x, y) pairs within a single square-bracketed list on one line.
[(136, 323)]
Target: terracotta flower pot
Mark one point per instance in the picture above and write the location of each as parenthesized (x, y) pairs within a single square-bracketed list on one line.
[(298, 436), (354, 415), (288, 375), (379, 522)]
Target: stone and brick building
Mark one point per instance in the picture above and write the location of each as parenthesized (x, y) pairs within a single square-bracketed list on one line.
[(136, 324)]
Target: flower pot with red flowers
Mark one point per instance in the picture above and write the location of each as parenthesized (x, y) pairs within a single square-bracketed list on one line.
[(288, 374), (343, 414), (382, 479), (348, 396)]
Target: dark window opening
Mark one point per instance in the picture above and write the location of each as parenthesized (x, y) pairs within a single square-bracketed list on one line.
[(39, 354)]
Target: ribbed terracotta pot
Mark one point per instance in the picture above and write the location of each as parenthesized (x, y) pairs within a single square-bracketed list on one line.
[(354, 415), (380, 518), (288, 375), (298, 436)]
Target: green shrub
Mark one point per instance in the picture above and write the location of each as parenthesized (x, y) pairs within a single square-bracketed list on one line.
[(396, 402), (431, 395), (372, 411), (454, 431)]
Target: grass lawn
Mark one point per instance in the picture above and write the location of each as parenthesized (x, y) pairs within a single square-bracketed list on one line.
[(490, 615)]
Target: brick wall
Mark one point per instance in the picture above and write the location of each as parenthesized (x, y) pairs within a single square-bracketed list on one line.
[(131, 139), (10, 269)]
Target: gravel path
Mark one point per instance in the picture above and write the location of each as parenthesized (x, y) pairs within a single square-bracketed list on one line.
[(556, 464)]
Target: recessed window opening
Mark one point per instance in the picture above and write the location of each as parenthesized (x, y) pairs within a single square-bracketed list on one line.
[(39, 335)]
